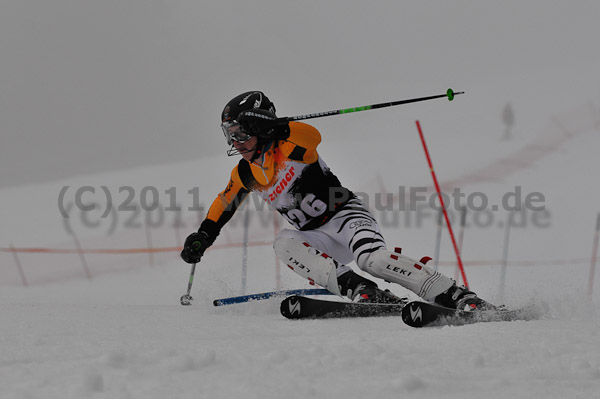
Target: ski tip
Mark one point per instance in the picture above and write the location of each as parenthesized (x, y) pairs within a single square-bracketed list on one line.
[(412, 314), (290, 307)]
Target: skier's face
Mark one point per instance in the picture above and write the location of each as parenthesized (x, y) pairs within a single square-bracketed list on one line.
[(247, 148)]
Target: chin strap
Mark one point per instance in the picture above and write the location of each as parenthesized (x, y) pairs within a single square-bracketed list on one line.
[(256, 155), (261, 147)]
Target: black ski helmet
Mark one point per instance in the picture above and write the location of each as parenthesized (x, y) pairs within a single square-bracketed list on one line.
[(246, 101)]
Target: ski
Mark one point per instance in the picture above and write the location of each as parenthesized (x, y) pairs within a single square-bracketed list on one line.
[(300, 307), (423, 314), (414, 314)]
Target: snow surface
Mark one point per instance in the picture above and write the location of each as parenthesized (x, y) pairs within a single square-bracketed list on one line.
[(126, 336), (123, 334)]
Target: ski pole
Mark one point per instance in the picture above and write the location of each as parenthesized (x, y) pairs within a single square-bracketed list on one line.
[(449, 95), (186, 299), (267, 295)]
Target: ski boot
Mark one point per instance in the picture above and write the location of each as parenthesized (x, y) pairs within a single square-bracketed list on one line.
[(366, 293), (460, 298), (360, 289)]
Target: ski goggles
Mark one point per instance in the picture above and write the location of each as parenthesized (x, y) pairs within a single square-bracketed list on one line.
[(233, 131)]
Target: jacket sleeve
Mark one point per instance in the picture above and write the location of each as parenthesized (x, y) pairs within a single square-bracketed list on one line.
[(302, 143), (225, 205)]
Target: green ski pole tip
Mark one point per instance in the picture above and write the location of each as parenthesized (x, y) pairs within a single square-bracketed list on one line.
[(450, 94)]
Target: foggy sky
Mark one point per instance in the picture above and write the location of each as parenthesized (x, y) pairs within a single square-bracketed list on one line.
[(91, 86)]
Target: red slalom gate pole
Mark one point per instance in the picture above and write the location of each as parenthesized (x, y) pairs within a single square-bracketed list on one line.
[(437, 187)]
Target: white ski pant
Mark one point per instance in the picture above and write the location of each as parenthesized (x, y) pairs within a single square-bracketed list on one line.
[(322, 254)]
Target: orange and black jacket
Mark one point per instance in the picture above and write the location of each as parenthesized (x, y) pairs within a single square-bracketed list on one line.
[(289, 175)]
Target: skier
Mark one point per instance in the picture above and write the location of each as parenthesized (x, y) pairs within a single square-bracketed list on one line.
[(280, 162)]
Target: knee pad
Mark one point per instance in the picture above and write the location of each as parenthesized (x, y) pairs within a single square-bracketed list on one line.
[(409, 273), (307, 261)]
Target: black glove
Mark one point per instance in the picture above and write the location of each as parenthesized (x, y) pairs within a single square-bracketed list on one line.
[(195, 245), (264, 124)]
